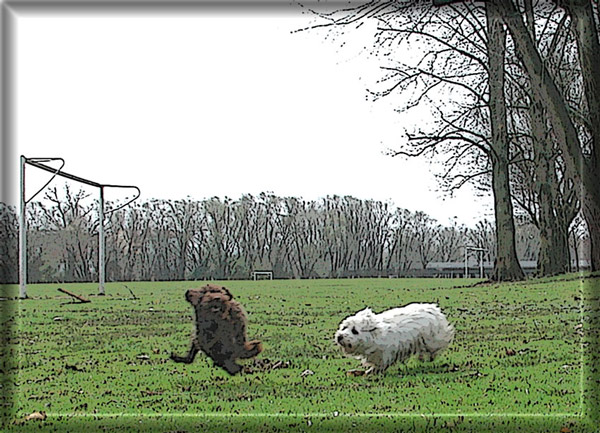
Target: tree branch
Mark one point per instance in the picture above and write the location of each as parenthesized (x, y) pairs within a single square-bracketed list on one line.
[(440, 41)]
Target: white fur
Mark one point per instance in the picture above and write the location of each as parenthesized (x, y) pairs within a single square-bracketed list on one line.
[(380, 340)]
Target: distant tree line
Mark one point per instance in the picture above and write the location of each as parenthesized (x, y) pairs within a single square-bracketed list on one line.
[(224, 238)]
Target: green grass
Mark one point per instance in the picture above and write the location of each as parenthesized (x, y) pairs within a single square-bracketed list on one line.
[(108, 361)]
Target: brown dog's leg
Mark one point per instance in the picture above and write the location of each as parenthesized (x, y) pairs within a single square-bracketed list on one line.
[(224, 358), (252, 348), (188, 358), (231, 367)]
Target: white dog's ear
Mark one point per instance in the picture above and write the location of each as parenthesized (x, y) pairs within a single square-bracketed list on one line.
[(367, 319), (367, 312)]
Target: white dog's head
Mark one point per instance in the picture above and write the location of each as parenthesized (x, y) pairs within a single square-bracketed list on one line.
[(356, 333)]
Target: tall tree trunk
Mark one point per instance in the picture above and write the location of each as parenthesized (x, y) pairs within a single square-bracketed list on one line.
[(546, 92), (507, 267), (553, 258), (588, 48)]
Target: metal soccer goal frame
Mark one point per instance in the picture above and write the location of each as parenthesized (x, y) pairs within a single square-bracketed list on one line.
[(480, 252), (38, 163), (268, 274)]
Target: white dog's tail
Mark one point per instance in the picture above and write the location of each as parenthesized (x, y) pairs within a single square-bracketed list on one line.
[(439, 332), (444, 335), (449, 332)]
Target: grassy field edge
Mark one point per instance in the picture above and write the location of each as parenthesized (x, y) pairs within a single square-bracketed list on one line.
[(564, 423)]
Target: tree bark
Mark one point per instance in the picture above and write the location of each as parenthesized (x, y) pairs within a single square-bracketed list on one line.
[(507, 267), (554, 215), (546, 92), (588, 49), (588, 44), (553, 258)]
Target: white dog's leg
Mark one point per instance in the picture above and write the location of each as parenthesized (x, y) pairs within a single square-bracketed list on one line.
[(376, 370), (426, 356)]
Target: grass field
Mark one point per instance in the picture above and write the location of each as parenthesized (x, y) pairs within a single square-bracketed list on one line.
[(518, 353)]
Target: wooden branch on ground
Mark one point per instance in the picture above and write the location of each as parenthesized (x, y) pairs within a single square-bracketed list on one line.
[(80, 298), (130, 291)]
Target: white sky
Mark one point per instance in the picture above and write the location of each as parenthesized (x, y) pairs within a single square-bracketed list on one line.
[(213, 105)]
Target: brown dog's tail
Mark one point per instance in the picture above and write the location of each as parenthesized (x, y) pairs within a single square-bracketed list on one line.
[(252, 348)]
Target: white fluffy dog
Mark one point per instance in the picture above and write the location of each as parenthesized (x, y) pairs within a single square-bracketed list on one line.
[(380, 340)]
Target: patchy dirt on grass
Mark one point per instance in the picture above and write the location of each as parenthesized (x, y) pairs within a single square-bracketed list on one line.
[(264, 365)]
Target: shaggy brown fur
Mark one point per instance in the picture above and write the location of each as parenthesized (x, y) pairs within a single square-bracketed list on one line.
[(220, 329)]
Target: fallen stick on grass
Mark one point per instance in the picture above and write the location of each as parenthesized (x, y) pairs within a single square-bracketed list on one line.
[(81, 298), (130, 291)]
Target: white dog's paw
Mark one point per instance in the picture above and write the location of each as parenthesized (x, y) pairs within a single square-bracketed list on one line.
[(426, 357), (356, 373)]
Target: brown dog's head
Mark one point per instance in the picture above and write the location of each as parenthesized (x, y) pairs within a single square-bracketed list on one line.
[(211, 288), (216, 305), (195, 296)]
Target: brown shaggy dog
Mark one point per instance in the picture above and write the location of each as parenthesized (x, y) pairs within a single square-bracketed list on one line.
[(220, 329)]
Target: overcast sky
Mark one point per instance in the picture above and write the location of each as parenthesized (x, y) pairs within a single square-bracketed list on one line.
[(219, 104)]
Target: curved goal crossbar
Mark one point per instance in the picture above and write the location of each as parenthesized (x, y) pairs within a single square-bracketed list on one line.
[(36, 163), (138, 192)]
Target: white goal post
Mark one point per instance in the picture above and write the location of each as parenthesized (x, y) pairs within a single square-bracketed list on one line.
[(480, 252), (256, 274), (37, 162)]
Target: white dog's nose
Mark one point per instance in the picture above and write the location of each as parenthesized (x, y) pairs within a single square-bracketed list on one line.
[(340, 338)]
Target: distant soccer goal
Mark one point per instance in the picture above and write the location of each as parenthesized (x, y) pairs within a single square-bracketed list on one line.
[(102, 213), (262, 275), (480, 252)]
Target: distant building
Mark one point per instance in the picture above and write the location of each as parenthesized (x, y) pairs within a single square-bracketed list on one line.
[(457, 269)]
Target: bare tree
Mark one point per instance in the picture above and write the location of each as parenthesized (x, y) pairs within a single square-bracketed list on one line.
[(185, 221), (214, 238), (223, 236), (450, 240), (73, 229), (306, 246), (528, 239), (127, 232), (460, 79), (578, 134), (426, 237), (402, 242), (341, 231), (544, 186), (507, 265), (278, 234), (9, 232), (484, 236)]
